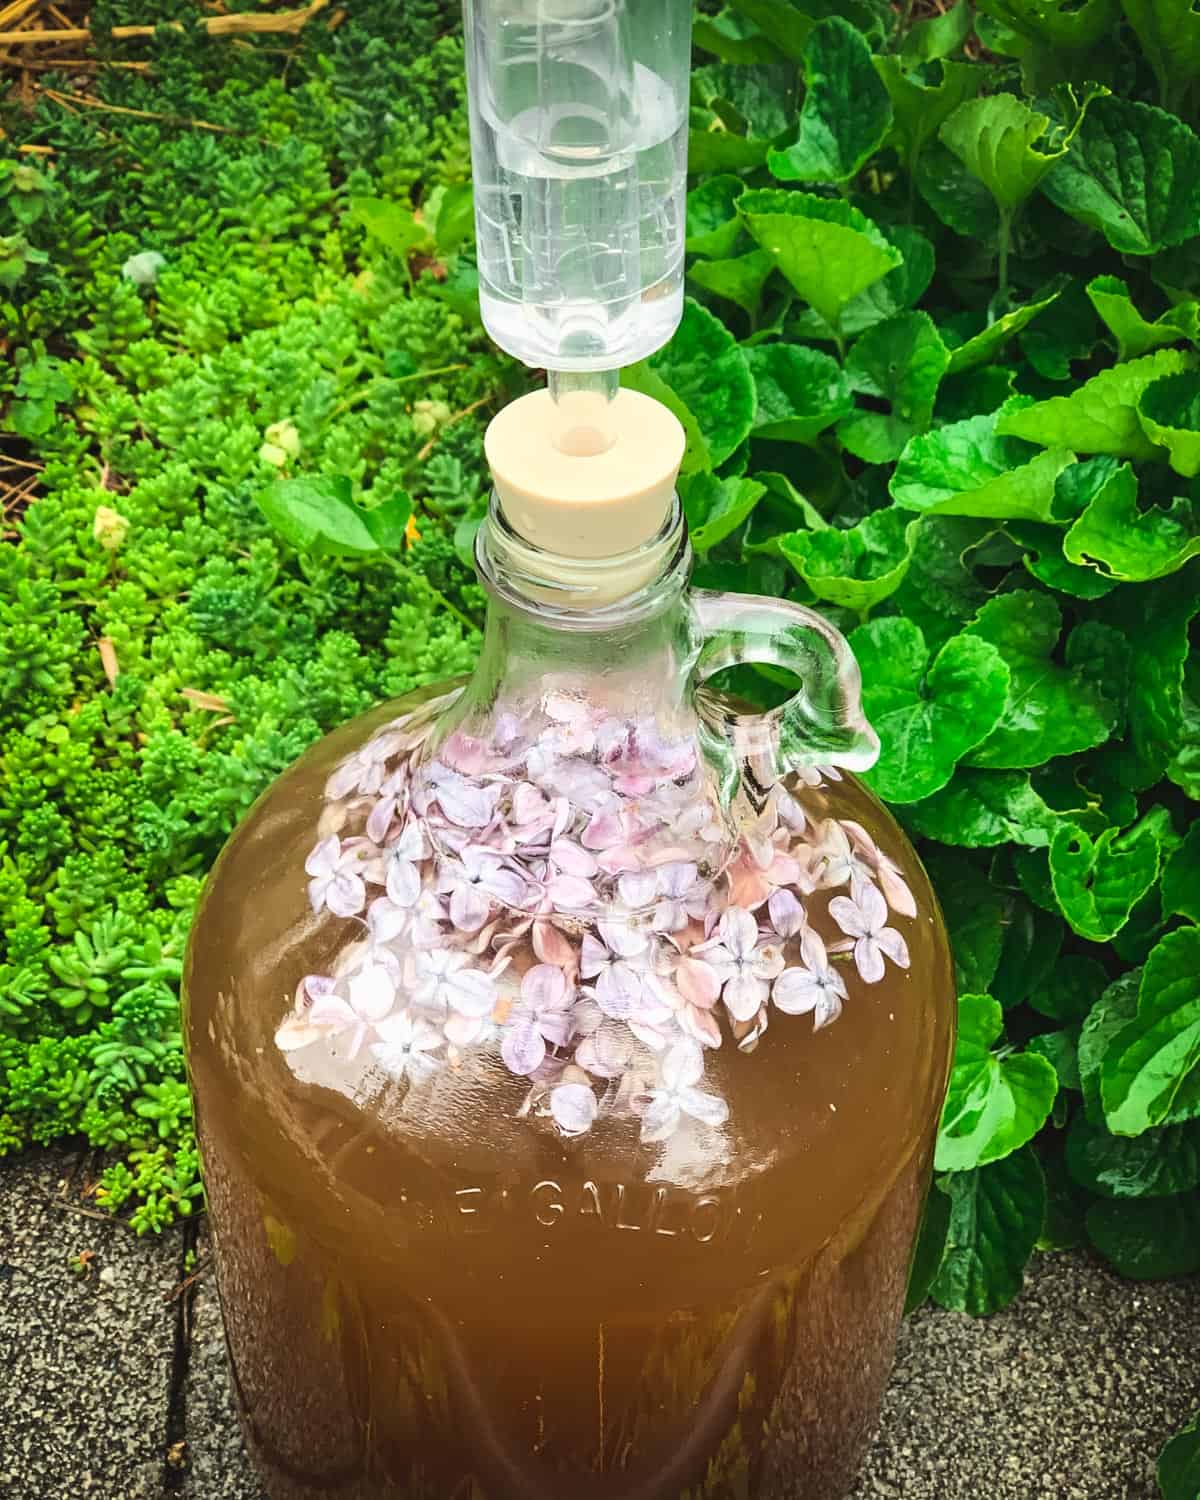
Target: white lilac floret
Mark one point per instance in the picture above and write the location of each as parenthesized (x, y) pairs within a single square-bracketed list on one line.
[(562, 895)]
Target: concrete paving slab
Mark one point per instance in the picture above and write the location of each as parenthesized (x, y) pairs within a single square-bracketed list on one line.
[(85, 1359)]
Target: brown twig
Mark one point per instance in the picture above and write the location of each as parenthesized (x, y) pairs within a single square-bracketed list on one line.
[(259, 23), (178, 1291), (457, 417), (70, 100)]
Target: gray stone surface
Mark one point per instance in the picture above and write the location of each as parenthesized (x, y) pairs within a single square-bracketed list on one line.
[(84, 1358), (1067, 1395)]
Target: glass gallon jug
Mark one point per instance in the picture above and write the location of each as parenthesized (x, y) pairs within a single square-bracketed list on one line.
[(568, 1044)]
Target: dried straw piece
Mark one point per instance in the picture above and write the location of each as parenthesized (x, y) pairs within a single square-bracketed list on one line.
[(286, 22)]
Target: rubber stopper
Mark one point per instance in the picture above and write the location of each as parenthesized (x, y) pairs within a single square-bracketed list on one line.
[(585, 477)]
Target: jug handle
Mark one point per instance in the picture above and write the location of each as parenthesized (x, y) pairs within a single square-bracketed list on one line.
[(821, 724)]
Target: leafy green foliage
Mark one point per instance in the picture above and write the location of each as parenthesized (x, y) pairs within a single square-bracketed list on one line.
[(988, 479), (230, 375)]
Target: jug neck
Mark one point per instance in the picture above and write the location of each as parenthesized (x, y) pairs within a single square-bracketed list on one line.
[(617, 631)]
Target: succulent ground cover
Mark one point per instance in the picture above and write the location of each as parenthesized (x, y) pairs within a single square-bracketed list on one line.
[(939, 375)]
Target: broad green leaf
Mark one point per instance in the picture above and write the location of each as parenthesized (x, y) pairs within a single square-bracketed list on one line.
[(993, 1105), (827, 249), (1098, 882), (1071, 990), (894, 293), (927, 715), (706, 372), (929, 1249), (740, 280), (1184, 767), (1046, 561), (1159, 641), (1136, 336), (1169, 31), (318, 515), (977, 393), (452, 215), (392, 223), (789, 25), (940, 593), (958, 198), (1127, 544), (985, 347), (732, 38), (1101, 416), (1056, 23), (1148, 1239), (975, 913), (921, 107), (1181, 878), (980, 809), (737, 111), (1066, 331), (846, 112), (1060, 1050), (713, 226), (1066, 1205), (1179, 1464), (1151, 1072), (388, 521), (1114, 1010), (1154, 1165), (1132, 172), (1050, 710), (996, 1215), (798, 391), (995, 139), (782, 488), (1032, 941), (757, 102), (968, 469), (856, 568), (938, 35), (901, 361), (1169, 411), (715, 507)]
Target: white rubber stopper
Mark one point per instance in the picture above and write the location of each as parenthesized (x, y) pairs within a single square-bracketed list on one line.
[(585, 477)]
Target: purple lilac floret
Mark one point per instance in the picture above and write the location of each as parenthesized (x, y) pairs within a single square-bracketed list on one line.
[(562, 894)]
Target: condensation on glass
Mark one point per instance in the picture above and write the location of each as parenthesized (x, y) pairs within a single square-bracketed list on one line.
[(568, 1048)]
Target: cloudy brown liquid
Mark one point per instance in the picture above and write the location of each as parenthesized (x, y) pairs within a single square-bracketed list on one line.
[(458, 1305)]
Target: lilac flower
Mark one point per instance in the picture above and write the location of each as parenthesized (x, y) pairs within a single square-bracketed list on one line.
[(574, 1108), (365, 771), (297, 1029), (896, 890), (677, 1095), (617, 960), (371, 995), (569, 874), (469, 804), (403, 877), (474, 882), (683, 897), (335, 881), (815, 987), (699, 988), (745, 965), (445, 980), (405, 1047), (833, 862), (543, 1014), (787, 914), (865, 920), (392, 802), (788, 808), (606, 1047)]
